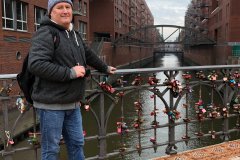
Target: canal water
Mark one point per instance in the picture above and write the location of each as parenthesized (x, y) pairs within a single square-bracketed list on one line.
[(132, 139)]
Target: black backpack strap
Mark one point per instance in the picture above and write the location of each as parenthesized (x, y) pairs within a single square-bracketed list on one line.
[(26, 80), (55, 35)]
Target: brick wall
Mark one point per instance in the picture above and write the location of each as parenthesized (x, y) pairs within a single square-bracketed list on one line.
[(209, 55), (125, 55), (200, 55), (20, 41)]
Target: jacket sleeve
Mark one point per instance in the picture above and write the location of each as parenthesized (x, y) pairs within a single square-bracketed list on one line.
[(93, 60), (40, 61)]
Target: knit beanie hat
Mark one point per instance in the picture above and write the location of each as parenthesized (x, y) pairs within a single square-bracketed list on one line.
[(52, 3)]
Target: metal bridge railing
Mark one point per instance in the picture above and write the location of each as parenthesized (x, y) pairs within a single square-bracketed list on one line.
[(169, 89)]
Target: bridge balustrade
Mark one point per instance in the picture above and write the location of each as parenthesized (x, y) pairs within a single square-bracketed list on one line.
[(169, 92)]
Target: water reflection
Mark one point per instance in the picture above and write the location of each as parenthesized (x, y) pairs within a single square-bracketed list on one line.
[(168, 61), (132, 140)]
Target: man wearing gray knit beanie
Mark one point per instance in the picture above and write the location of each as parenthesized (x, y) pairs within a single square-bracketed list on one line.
[(60, 12), (59, 60)]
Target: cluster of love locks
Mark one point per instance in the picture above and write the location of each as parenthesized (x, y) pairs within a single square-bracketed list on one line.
[(176, 90)]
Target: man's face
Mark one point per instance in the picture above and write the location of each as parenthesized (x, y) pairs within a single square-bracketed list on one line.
[(62, 14)]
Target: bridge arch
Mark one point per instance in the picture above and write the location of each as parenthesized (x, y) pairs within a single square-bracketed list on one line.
[(157, 35)]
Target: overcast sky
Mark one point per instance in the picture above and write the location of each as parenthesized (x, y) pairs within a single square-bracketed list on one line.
[(170, 12)]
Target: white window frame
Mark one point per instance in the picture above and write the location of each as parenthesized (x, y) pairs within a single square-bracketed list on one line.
[(15, 21), (22, 21), (83, 30), (42, 13), (80, 5), (4, 18), (85, 9)]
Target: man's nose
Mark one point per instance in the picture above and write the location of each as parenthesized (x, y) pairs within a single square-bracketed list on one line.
[(65, 10)]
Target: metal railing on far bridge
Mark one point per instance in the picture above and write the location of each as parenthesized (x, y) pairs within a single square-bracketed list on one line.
[(170, 93)]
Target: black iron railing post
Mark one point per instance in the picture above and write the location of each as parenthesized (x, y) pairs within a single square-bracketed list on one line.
[(6, 129), (102, 129), (35, 132), (171, 128), (225, 136)]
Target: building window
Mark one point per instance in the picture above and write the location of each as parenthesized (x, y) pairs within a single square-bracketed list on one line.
[(85, 9), (83, 29), (39, 13), (21, 16), (227, 10), (120, 19), (226, 32), (80, 6), (120, 24), (14, 15), (118, 2), (7, 13)]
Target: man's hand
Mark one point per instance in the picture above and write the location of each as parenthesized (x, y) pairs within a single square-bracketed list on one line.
[(79, 70), (111, 70)]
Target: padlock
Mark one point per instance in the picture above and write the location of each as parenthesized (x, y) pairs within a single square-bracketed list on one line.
[(137, 81), (152, 96), (84, 133), (119, 130), (186, 76), (87, 107), (153, 140), (213, 134), (122, 149), (225, 79), (152, 80), (154, 124), (121, 81), (136, 125), (154, 112), (186, 120), (10, 141), (175, 94), (200, 75), (199, 134), (106, 87), (138, 146), (232, 82), (120, 94)]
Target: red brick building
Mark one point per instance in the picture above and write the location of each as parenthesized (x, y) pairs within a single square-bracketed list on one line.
[(20, 19), (220, 21), (92, 18), (112, 19)]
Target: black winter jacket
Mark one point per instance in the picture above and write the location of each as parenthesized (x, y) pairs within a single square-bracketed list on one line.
[(51, 66)]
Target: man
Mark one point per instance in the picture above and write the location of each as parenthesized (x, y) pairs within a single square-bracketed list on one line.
[(60, 80)]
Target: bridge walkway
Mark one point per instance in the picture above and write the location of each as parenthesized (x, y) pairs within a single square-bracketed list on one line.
[(224, 151)]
